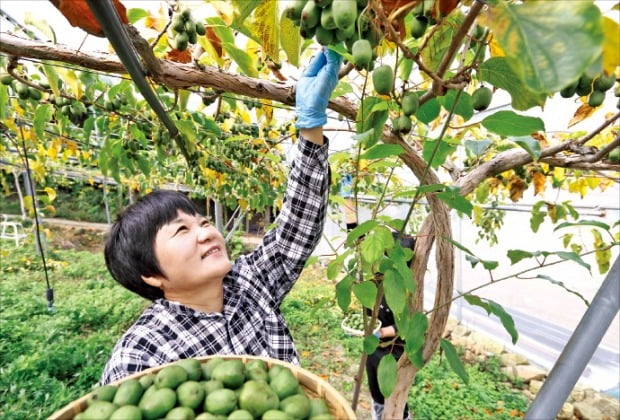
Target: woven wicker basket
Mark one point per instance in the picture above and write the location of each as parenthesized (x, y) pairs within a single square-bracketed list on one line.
[(314, 387)]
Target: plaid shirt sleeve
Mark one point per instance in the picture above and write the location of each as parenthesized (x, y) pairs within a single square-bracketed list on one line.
[(285, 249)]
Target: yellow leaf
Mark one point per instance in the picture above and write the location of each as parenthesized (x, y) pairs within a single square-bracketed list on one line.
[(266, 110), (245, 115), (266, 28), (477, 214), (74, 83), (52, 152), (539, 182), (593, 182), (85, 154), (494, 49), (243, 203), (51, 193), (559, 174), (579, 186), (611, 45)]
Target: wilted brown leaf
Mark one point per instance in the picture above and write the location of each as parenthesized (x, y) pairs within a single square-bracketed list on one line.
[(583, 112), (538, 178), (179, 56), (517, 186)]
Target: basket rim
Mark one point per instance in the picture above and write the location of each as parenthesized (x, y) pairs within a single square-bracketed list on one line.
[(299, 371)]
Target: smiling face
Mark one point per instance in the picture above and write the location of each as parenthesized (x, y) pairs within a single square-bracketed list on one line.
[(192, 257)]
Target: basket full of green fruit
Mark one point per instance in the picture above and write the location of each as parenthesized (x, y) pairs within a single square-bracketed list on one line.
[(214, 387), (353, 324)]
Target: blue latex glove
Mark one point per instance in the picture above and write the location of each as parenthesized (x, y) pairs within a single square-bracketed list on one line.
[(346, 186), (314, 88), (377, 334)]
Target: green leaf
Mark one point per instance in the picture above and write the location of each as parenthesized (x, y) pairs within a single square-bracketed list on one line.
[(366, 293), (4, 100), (517, 255), (42, 25), (444, 149), (464, 107), (211, 126), (477, 147), (429, 110), (343, 293), (368, 119), (52, 78), (188, 129), (42, 115), (372, 249), (509, 123), (289, 40), (370, 344), (496, 309), (453, 360), (595, 223), (134, 15), (243, 9), (144, 165), (415, 335), (387, 374), (549, 44), (311, 261), (571, 256), (506, 320), (438, 43), (458, 245), (361, 230), (222, 30), (395, 293), (383, 150), (452, 198), (242, 58), (561, 284), (498, 72), (341, 89), (477, 301), (531, 146)]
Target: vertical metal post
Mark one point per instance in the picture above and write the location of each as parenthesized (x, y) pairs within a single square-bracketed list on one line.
[(579, 349), (105, 201), (219, 217)]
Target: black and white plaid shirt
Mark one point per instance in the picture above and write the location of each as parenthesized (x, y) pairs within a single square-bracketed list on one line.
[(251, 322)]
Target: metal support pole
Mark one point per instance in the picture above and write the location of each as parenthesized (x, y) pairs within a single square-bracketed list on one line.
[(579, 349)]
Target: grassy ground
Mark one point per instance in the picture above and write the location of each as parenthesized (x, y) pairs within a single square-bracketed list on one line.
[(48, 359)]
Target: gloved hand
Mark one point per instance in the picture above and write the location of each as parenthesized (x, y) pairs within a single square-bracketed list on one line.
[(346, 186), (314, 88), (378, 333)]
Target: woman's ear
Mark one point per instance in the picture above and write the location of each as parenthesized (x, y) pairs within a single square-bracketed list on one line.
[(154, 281)]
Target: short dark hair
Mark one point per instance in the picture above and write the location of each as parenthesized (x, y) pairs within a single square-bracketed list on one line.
[(129, 249)]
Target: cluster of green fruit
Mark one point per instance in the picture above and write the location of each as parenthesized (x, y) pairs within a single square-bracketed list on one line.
[(75, 110), (114, 104), (334, 21), (593, 87), (186, 30), (218, 389), (21, 90)]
